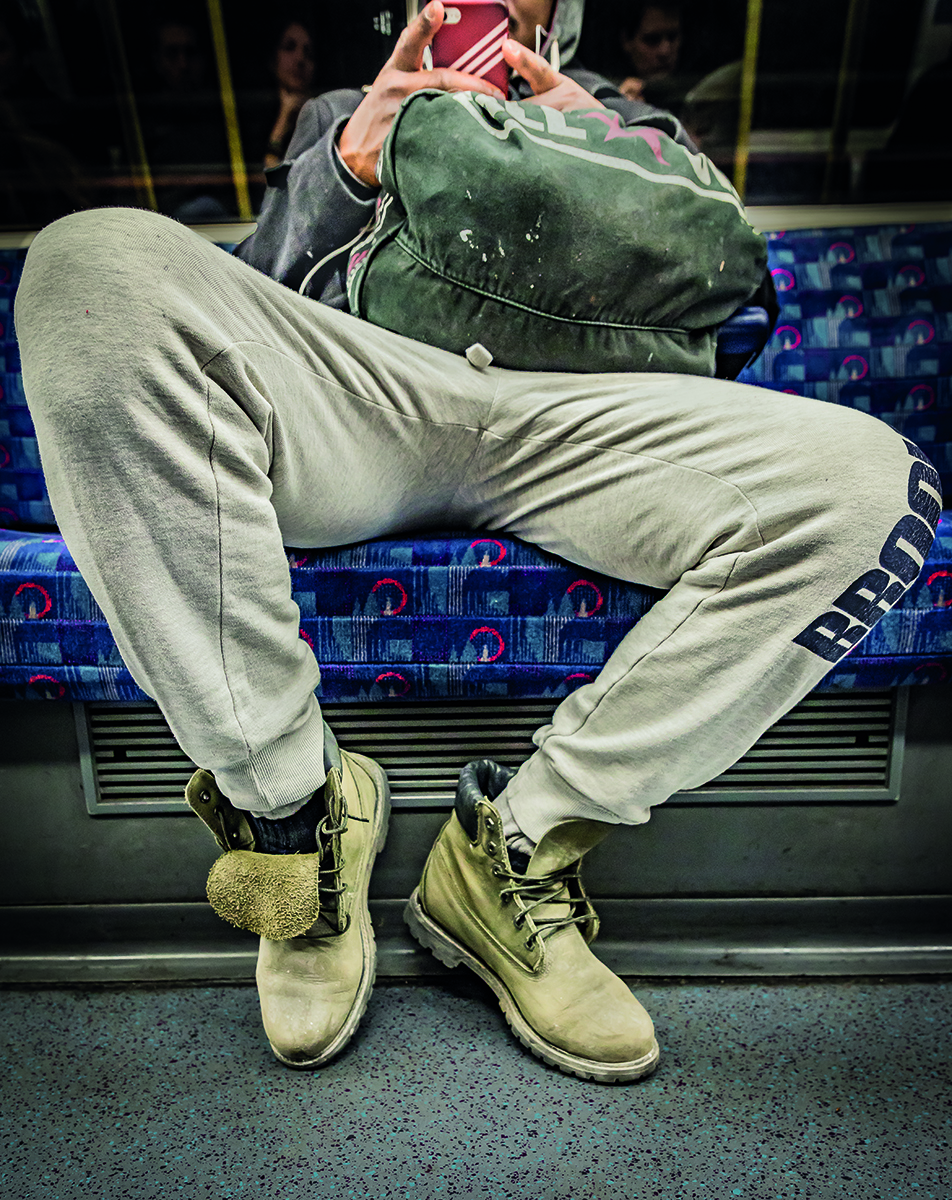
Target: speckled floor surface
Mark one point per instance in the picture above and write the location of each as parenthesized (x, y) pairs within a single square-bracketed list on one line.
[(765, 1091)]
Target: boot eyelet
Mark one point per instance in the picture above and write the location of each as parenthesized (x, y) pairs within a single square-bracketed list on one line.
[(491, 848), (517, 920), (490, 824), (530, 942)]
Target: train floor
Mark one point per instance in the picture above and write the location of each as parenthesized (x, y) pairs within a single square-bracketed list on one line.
[(767, 1090)]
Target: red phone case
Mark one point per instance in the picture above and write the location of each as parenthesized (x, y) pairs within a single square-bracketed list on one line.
[(472, 42)]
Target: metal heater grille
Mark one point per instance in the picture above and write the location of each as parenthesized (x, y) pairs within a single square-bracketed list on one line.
[(834, 746)]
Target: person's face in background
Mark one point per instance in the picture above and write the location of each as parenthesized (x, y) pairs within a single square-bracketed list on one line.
[(178, 59), (525, 15), (294, 59), (654, 46)]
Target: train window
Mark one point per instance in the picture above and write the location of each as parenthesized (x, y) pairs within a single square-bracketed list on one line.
[(825, 101), (180, 105), (176, 106)]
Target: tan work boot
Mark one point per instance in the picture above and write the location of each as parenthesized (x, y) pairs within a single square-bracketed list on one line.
[(317, 956), (527, 932)]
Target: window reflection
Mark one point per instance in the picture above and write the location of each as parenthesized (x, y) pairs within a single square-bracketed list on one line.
[(42, 176), (183, 129), (291, 65), (181, 105), (848, 99)]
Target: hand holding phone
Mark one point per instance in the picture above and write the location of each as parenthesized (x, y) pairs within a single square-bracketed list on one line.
[(470, 40), (403, 73)]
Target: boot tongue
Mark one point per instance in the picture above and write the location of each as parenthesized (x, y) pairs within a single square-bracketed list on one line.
[(334, 803), (564, 844), (560, 848)]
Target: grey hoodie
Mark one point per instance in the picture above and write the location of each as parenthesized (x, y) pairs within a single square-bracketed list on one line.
[(314, 208)]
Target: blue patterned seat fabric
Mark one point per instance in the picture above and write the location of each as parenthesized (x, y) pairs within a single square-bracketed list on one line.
[(865, 321)]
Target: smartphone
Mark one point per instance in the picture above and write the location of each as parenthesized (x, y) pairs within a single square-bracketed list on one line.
[(470, 39)]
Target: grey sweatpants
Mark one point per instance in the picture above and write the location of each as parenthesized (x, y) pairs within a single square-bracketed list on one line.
[(195, 416)]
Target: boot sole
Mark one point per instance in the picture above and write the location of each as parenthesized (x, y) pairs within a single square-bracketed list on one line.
[(452, 953), (369, 978)]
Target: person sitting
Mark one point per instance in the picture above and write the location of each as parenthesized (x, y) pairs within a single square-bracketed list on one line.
[(651, 41), (292, 66), (196, 412)]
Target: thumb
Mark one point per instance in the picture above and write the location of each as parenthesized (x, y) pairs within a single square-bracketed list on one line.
[(540, 75), (408, 52)]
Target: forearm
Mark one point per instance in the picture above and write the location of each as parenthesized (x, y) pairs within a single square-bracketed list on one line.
[(312, 205)]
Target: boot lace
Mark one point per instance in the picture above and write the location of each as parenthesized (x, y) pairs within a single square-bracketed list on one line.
[(330, 886), (537, 890)]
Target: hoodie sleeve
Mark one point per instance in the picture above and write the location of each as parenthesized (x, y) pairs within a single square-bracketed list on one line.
[(313, 205)]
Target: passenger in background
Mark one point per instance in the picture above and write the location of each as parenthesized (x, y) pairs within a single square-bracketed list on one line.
[(180, 60), (711, 111), (182, 122), (292, 66), (651, 41)]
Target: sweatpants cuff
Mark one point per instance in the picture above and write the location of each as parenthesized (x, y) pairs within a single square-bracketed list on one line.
[(277, 779), (540, 798)]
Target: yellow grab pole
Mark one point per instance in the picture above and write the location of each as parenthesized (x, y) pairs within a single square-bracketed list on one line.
[(748, 79), (230, 110)]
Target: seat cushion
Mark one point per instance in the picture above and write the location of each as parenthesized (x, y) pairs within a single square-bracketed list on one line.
[(866, 321), (412, 618)]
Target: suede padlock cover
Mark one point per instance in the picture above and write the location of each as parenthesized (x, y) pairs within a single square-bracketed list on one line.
[(559, 241)]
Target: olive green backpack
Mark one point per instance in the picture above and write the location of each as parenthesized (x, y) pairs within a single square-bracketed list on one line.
[(557, 241)]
